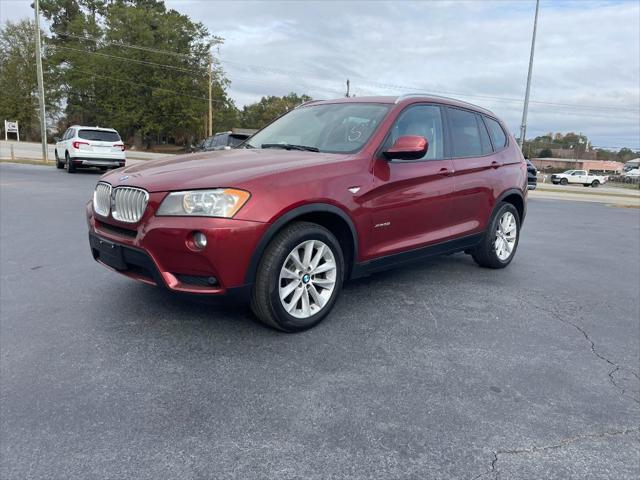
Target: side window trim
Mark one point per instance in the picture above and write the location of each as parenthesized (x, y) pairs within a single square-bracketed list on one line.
[(445, 138)]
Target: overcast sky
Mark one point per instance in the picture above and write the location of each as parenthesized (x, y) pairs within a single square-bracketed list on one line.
[(587, 55)]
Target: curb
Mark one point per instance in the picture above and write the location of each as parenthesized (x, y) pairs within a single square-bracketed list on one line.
[(28, 161)]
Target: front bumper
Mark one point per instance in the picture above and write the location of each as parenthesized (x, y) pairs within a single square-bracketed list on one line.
[(158, 251)]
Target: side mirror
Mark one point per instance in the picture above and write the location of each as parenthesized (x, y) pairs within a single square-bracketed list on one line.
[(408, 147), (56, 139)]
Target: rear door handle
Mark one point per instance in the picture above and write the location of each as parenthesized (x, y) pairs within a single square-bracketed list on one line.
[(495, 164), (445, 172)]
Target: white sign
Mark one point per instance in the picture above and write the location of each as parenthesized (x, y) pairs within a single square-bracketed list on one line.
[(11, 127)]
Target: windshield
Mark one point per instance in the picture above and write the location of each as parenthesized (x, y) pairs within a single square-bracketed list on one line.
[(99, 135), (329, 128)]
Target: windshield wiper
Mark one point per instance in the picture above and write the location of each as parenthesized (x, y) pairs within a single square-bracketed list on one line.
[(289, 146)]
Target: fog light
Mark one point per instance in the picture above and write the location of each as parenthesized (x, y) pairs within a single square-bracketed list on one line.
[(199, 240)]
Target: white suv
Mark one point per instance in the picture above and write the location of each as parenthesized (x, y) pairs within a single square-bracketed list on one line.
[(89, 147)]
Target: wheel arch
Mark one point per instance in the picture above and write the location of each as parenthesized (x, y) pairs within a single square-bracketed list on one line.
[(333, 218), (515, 197)]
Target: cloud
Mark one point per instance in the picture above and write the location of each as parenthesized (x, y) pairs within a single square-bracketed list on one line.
[(587, 53)]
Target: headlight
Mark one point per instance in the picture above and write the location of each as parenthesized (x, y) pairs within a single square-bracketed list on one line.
[(221, 202)]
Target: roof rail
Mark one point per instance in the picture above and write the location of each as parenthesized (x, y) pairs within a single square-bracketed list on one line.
[(306, 103), (410, 95)]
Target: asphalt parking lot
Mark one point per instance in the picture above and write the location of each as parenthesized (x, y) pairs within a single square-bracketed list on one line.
[(439, 370)]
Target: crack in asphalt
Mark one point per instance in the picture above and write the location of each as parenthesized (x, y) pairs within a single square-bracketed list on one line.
[(615, 367), (493, 470)]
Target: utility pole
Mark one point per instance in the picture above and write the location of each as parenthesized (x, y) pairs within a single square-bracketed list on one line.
[(523, 125), (43, 118), (210, 99), (348, 87)]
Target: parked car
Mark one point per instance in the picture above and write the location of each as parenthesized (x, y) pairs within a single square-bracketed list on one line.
[(532, 175), (225, 140), (332, 190), (82, 147), (635, 173), (578, 176)]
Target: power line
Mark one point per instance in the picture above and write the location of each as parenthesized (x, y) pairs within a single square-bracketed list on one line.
[(363, 81), (140, 84), (388, 86), (128, 45), (255, 82), (141, 62)]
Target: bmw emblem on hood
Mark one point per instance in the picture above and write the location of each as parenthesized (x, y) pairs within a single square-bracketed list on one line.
[(122, 179)]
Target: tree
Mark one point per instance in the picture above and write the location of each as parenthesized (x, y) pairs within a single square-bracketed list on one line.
[(261, 113), (137, 66), (626, 154), (545, 153), (18, 80)]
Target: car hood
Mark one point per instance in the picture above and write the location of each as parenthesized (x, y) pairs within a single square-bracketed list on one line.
[(227, 168)]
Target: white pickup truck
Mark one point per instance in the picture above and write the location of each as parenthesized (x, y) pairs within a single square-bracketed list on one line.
[(578, 176)]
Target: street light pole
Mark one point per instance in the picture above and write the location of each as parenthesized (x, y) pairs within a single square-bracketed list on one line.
[(523, 125), (210, 99), (43, 118)]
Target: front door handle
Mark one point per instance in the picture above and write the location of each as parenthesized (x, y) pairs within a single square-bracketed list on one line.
[(445, 172), (495, 164)]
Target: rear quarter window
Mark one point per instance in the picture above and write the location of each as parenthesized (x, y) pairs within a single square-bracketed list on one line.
[(99, 135), (498, 136)]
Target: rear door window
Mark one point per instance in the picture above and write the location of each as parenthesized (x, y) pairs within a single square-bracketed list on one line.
[(465, 133), (221, 140), (208, 143), (498, 136), (99, 135)]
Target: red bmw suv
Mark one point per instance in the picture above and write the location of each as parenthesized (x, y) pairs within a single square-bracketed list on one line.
[(330, 191)]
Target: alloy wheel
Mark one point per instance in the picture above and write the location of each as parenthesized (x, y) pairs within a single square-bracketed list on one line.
[(307, 279), (506, 235)]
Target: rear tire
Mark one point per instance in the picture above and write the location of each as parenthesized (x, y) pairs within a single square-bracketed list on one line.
[(59, 164), (299, 278), (595, 184), (70, 167), (500, 241)]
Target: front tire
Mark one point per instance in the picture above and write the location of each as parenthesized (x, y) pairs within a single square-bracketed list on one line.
[(564, 181), (500, 241), (299, 278), (70, 167)]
